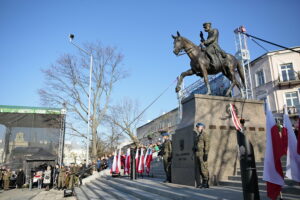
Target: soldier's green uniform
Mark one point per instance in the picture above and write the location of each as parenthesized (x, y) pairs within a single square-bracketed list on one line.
[(6, 179), (61, 178), (201, 150), (167, 157), (72, 177)]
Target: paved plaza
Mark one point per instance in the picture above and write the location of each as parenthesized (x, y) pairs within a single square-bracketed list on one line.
[(34, 194)]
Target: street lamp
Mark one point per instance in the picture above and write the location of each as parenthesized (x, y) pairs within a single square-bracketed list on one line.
[(71, 36)]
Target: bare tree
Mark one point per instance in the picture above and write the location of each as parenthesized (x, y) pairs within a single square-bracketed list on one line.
[(125, 117), (67, 83)]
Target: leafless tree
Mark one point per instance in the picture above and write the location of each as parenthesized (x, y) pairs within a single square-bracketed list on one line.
[(125, 117), (67, 83)]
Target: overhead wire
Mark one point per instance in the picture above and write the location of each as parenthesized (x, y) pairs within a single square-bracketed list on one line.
[(145, 109)]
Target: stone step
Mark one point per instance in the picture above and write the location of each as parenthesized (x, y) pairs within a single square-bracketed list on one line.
[(263, 193), (259, 173), (80, 194), (98, 193), (116, 193), (261, 168), (136, 192), (262, 186), (260, 180), (154, 189), (261, 164)]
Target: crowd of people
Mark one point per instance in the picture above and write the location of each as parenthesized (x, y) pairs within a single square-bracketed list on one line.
[(10, 178), (47, 176)]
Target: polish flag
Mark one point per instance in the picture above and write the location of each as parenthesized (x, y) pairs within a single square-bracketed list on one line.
[(127, 162), (293, 157), (114, 168), (119, 162), (145, 157), (273, 174), (141, 162), (137, 160), (148, 160)]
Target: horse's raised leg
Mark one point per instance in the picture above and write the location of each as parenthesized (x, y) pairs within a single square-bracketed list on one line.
[(181, 77)]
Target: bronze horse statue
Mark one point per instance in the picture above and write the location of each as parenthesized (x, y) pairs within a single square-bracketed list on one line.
[(200, 64)]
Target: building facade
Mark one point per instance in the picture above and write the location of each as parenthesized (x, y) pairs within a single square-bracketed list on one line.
[(276, 80), (150, 132)]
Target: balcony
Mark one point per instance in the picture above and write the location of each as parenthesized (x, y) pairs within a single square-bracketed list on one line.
[(289, 83), (292, 111)]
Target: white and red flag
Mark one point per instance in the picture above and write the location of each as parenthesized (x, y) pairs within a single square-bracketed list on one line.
[(127, 162), (273, 173), (234, 118), (119, 161), (137, 160), (141, 162), (145, 157), (148, 160), (293, 157), (115, 168)]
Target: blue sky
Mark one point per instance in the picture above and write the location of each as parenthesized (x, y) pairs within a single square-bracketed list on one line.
[(34, 33)]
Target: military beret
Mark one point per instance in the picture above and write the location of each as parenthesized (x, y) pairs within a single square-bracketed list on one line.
[(165, 134), (200, 124)]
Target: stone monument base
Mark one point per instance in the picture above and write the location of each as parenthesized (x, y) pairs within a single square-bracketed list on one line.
[(223, 159)]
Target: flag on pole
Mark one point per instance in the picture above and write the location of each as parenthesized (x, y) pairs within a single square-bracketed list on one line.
[(114, 168), (273, 173), (148, 160), (137, 160), (141, 162), (127, 162), (119, 162), (234, 118), (146, 155), (293, 157)]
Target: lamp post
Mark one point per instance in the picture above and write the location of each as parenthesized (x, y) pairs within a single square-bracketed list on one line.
[(71, 36)]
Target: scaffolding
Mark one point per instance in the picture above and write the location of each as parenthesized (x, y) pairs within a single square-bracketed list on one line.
[(243, 55)]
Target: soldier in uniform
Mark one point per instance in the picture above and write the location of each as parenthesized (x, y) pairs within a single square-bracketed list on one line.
[(201, 149), (211, 43), (61, 178), (72, 174), (6, 178), (166, 153)]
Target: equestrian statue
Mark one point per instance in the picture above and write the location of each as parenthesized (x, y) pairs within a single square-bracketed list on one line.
[(208, 59)]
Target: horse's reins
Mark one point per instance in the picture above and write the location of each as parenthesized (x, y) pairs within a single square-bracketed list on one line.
[(187, 52)]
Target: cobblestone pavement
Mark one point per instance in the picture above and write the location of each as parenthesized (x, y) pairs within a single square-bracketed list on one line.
[(34, 194)]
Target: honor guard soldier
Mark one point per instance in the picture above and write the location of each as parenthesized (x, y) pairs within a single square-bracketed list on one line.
[(166, 153), (6, 178), (201, 149)]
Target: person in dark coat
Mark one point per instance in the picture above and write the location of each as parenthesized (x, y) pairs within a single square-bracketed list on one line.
[(20, 178)]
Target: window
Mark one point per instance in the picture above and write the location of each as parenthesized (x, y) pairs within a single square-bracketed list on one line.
[(260, 79), (292, 99), (287, 72)]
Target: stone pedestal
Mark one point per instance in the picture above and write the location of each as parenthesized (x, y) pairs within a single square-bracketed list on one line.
[(223, 158)]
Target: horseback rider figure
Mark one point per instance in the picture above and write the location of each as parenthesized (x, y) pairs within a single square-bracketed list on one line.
[(212, 49)]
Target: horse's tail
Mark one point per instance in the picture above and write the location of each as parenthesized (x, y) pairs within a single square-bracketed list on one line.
[(241, 73)]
